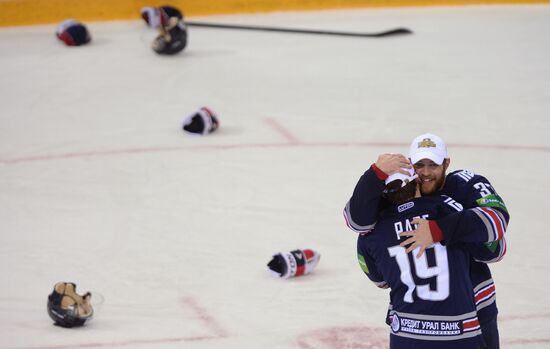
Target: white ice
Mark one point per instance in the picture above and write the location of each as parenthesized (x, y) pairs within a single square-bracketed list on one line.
[(99, 185)]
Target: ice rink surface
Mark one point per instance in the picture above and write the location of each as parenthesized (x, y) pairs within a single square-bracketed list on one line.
[(99, 185)]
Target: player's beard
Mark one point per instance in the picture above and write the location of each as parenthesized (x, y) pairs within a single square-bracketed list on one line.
[(429, 188)]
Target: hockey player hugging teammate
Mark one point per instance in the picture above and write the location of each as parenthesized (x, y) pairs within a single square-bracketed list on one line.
[(479, 208), (432, 295)]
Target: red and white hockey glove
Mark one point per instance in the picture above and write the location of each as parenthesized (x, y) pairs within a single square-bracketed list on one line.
[(294, 263)]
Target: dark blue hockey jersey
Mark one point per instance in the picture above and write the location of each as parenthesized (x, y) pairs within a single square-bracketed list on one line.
[(476, 192), (432, 297), (481, 204)]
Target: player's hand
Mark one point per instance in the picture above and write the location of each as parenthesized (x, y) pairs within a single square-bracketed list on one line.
[(420, 237), (392, 163)]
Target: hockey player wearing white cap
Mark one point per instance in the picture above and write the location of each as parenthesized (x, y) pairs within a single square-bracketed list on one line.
[(432, 297), (428, 154), (429, 157)]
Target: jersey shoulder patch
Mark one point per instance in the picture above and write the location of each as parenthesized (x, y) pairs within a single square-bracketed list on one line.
[(492, 200)]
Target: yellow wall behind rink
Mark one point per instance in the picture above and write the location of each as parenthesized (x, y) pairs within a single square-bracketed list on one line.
[(27, 12)]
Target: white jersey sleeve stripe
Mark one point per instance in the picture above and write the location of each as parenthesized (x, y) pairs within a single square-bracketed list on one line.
[(494, 222), (497, 220), (491, 235), (354, 226)]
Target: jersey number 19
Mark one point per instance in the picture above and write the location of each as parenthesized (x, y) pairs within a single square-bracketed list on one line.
[(440, 271)]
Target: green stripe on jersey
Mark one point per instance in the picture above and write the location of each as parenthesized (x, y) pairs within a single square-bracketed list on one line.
[(492, 200), (492, 246), (362, 263)]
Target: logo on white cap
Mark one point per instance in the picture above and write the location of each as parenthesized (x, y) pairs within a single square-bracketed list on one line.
[(428, 146)]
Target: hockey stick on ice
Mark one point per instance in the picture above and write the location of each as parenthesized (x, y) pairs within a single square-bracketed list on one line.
[(391, 32)]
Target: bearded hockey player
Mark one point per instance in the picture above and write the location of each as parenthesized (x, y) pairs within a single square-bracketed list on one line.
[(67, 308), (72, 33), (432, 296), (472, 192)]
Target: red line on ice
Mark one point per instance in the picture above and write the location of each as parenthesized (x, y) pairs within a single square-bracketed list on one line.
[(206, 318), (283, 131), (123, 343), (210, 323), (290, 144)]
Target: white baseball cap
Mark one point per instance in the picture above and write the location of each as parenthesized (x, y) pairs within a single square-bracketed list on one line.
[(428, 146), (404, 178)]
